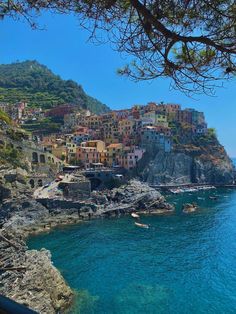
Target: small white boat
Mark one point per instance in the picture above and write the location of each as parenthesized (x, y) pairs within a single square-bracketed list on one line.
[(141, 225), (134, 215)]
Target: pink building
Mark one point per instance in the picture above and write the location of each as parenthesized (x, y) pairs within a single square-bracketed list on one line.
[(130, 157), (87, 155)]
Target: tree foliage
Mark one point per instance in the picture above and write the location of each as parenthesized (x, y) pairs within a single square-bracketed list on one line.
[(191, 41), (34, 83)]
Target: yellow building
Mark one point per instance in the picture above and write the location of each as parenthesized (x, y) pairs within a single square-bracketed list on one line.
[(97, 144), (71, 151), (126, 127), (114, 151), (93, 122), (160, 118), (104, 158)]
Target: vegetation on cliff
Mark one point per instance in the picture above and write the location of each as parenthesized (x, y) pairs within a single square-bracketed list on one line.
[(10, 155), (4, 117), (34, 83)]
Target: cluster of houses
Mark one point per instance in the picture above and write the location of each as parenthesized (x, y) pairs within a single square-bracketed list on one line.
[(121, 137), (117, 138), (20, 112)]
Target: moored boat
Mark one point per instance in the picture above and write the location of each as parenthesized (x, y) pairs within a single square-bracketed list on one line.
[(141, 225), (134, 215)]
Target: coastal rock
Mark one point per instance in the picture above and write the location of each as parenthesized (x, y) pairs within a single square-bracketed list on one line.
[(17, 174), (30, 278), (168, 169), (13, 183), (136, 196), (5, 192), (22, 213), (184, 168), (214, 172), (26, 276)]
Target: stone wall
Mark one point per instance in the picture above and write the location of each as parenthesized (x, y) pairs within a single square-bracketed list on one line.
[(77, 190)]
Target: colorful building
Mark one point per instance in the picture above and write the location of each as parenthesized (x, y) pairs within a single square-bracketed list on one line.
[(97, 144), (150, 116), (184, 116), (161, 119), (126, 127), (94, 121), (130, 157), (90, 152), (151, 140), (114, 151)]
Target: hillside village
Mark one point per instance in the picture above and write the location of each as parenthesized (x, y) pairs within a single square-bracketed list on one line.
[(118, 138)]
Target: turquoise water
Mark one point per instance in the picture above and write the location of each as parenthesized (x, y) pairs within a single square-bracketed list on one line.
[(185, 263)]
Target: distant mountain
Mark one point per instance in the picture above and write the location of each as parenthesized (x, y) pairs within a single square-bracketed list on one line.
[(34, 83)]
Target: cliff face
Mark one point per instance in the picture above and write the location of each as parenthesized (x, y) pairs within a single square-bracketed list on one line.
[(28, 276), (190, 164)]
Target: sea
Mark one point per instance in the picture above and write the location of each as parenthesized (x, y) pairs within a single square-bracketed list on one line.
[(184, 263)]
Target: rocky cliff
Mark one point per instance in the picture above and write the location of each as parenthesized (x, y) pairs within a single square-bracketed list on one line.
[(28, 276), (193, 163)]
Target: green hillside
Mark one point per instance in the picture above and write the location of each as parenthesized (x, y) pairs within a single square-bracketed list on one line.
[(34, 83)]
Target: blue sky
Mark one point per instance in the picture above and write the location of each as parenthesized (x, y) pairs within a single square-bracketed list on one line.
[(64, 48)]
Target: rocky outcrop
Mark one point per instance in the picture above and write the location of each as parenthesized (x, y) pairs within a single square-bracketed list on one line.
[(136, 196), (168, 168), (210, 167), (28, 276), (214, 172), (12, 183)]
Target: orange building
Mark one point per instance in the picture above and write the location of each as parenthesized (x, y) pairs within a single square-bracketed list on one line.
[(90, 152)]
